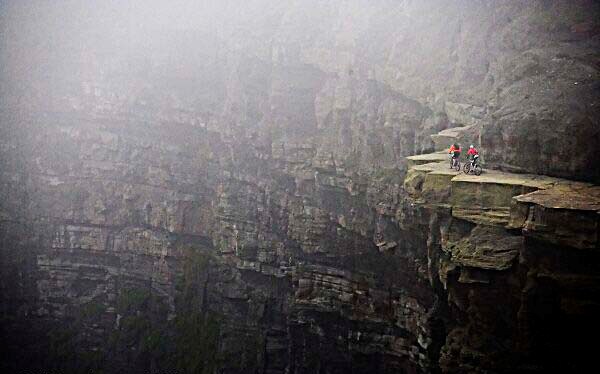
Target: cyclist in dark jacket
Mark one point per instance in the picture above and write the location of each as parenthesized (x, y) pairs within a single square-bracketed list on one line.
[(454, 153)]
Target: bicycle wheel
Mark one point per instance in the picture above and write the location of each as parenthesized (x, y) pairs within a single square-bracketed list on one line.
[(467, 168), (477, 170), (457, 165)]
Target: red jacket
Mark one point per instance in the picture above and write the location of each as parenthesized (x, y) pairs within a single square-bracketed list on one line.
[(452, 149), (472, 151)]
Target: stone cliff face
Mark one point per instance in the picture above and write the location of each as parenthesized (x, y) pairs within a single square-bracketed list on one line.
[(262, 192)]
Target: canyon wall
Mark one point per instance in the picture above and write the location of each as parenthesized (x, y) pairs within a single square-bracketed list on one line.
[(237, 191)]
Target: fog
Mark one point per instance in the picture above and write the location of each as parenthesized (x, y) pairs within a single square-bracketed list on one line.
[(272, 63), (53, 52), (38, 35), (266, 186)]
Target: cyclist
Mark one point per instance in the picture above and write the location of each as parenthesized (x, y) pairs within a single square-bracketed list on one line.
[(472, 154), (454, 154)]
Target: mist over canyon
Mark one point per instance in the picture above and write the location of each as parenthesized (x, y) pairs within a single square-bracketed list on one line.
[(264, 186)]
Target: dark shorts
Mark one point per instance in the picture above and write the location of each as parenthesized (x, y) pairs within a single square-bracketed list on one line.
[(456, 155)]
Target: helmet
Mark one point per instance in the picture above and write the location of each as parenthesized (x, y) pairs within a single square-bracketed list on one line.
[(471, 146)]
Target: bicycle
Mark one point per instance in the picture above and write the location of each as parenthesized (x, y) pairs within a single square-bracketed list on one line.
[(473, 166)]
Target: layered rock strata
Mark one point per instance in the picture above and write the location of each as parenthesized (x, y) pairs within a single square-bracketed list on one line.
[(508, 268), (263, 193)]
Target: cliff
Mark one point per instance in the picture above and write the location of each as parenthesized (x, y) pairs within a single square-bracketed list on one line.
[(260, 189)]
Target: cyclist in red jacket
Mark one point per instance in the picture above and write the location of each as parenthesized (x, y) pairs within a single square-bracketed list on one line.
[(472, 153)]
